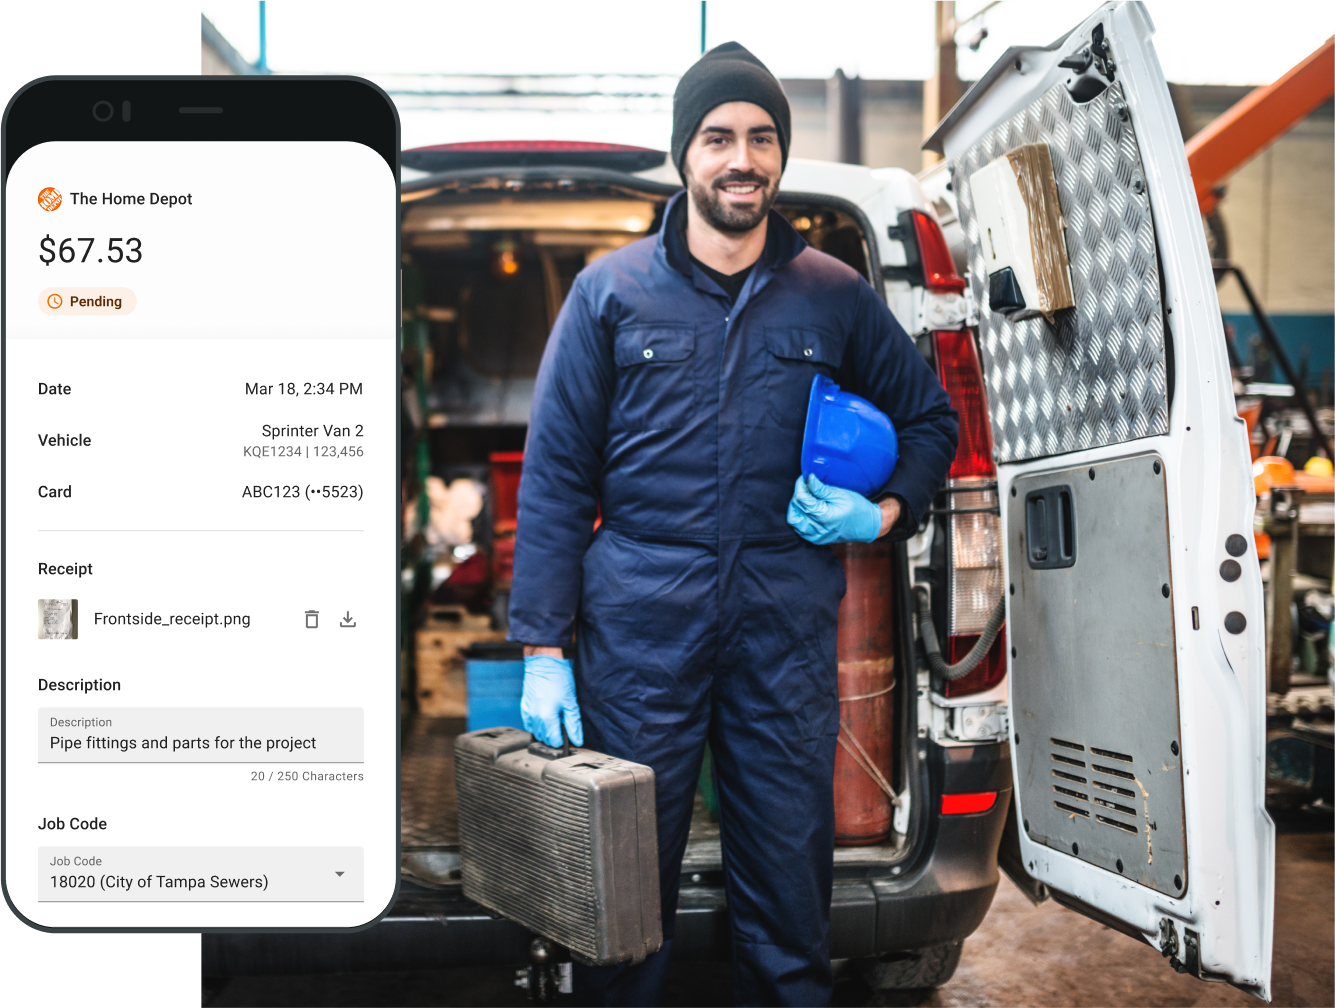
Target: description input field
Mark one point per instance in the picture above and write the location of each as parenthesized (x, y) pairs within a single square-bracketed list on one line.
[(200, 735)]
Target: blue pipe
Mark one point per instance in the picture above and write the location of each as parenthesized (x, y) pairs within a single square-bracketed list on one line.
[(262, 64)]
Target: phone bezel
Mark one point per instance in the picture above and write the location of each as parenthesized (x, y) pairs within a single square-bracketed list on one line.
[(254, 108)]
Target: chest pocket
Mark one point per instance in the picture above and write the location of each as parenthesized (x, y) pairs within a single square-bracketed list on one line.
[(793, 358), (655, 378)]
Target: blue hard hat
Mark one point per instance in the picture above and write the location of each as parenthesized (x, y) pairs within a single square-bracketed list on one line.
[(848, 442)]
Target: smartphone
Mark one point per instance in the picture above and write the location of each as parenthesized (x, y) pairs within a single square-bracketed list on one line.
[(201, 506)]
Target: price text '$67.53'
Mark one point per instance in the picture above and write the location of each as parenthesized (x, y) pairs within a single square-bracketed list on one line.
[(117, 250)]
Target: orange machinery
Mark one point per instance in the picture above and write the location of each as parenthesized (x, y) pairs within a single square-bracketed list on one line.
[(1272, 470), (1266, 114), (1217, 151)]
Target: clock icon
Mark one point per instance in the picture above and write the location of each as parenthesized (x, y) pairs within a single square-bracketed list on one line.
[(54, 301)]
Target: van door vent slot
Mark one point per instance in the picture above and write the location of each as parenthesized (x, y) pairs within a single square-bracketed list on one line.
[(1114, 805), (1109, 770), (1067, 760), (1071, 777), (1112, 787), (1068, 745), (1073, 810), (1111, 755), (1074, 794), (1120, 825)]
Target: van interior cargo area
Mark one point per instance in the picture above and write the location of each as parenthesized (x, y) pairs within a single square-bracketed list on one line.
[(429, 818), (488, 262)]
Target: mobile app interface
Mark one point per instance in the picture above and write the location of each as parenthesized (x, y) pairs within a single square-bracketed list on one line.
[(200, 644)]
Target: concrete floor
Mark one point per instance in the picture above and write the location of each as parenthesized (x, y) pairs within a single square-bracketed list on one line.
[(1021, 955), (1047, 955)]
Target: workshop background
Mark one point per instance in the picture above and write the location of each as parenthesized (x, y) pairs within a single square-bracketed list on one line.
[(867, 81)]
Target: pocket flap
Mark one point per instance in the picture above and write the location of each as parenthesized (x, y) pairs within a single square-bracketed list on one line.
[(808, 345), (653, 345)]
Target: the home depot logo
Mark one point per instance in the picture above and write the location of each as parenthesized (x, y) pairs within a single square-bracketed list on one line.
[(48, 198)]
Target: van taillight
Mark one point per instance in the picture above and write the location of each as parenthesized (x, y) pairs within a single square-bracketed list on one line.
[(986, 674), (938, 268), (976, 576), (958, 368)]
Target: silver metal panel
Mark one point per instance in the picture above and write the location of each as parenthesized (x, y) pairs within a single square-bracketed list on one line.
[(1102, 379), (1094, 678)]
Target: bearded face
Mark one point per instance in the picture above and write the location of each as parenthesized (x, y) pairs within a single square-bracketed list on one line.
[(732, 167)]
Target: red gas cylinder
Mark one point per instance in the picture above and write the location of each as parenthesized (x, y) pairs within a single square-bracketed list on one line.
[(862, 761)]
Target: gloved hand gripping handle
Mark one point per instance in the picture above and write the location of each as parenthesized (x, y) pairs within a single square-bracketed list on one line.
[(930, 645), (549, 705)]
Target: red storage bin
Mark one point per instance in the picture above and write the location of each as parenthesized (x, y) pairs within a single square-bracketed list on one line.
[(506, 468)]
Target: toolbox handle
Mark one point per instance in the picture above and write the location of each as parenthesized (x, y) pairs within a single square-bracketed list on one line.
[(550, 752)]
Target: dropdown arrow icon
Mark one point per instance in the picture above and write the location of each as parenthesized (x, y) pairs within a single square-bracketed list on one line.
[(339, 874)]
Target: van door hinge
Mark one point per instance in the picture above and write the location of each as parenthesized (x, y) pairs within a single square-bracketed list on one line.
[(977, 723), (945, 311), (1092, 67), (1103, 58), (990, 722), (1169, 946)]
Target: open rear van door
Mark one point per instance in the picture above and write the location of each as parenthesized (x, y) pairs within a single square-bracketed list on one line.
[(1137, 680)]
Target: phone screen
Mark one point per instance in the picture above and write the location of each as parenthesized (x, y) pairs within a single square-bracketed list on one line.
[(201, 550)]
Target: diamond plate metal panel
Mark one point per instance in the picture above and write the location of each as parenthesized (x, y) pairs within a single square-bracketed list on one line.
[(1100, 377)]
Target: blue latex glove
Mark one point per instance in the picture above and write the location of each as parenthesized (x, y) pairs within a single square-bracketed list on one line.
[(827, 514), (549, 699)]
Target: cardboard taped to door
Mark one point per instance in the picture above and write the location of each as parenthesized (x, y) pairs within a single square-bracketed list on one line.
[(1023, 232)]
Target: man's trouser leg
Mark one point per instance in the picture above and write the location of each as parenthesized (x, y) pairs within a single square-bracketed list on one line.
[(773, 734)]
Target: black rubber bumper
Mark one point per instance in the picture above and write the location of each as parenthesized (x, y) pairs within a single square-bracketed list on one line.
[(941, 895), (424, 930)]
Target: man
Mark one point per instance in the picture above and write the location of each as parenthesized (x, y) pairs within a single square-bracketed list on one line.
[(672, 394)]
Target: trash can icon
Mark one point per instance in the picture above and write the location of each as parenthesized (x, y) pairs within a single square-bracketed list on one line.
[(312, 619)]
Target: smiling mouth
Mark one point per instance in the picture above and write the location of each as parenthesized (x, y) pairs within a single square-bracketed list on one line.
[(740, 188)]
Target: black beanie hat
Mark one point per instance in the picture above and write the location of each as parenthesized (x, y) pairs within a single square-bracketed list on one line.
[(727, 73)]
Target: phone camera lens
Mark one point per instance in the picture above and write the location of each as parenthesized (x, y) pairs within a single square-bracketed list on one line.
[(103, 111)]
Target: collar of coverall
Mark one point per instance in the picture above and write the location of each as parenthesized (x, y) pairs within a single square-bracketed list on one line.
[(782, 244)]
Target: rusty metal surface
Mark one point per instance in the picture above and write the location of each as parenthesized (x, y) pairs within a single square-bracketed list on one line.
[(1099, 377), (863, 762)]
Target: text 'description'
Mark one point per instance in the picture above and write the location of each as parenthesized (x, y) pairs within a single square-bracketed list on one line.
[(199, 734), (87, 301), (199, 874)]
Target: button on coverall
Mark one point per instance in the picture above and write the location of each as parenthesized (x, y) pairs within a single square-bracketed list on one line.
[(699, 613)]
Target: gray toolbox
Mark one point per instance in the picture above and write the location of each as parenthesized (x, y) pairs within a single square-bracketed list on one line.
[(566, 845)]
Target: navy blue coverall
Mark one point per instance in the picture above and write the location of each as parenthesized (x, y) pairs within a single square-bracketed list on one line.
[(700, 613)]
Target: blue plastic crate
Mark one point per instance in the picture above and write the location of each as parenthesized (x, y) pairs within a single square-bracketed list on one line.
[(494, 691)]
